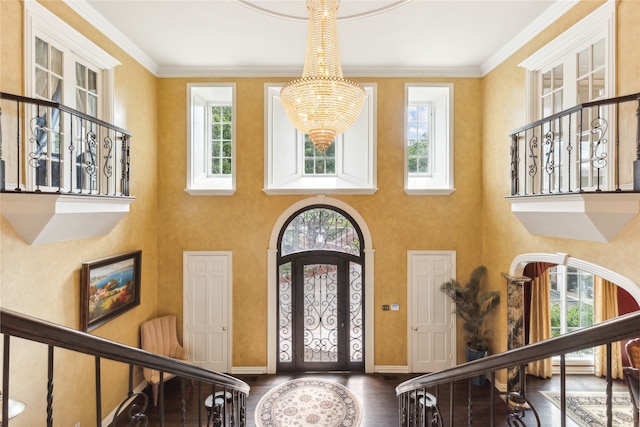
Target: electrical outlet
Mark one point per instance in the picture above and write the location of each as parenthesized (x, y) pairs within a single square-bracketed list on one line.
[(385, 307)]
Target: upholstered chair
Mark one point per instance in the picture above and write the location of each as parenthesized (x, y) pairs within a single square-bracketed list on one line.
[(159, 336), (632, 347), (632, 377)]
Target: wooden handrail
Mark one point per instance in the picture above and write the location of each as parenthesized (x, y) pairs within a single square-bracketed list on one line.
[(617, 329), (30, 328)]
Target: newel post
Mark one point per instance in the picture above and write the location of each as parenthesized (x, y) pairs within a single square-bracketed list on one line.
[(515, 331)]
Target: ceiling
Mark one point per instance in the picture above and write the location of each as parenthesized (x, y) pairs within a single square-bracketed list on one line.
[(251, 37)]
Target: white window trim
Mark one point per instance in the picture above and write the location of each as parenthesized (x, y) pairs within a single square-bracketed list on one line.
[(211, 185), (599, 24), (40, 21), (339, 183), (445, 171)]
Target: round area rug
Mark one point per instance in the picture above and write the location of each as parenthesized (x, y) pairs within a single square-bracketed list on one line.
[(308, 402)]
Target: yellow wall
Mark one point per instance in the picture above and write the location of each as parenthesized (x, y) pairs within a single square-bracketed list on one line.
[(475, 220), (243, 222), (504, 109), (44, 280)]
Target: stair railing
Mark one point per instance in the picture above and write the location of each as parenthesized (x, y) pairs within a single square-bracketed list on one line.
[(419, 397), (231, 412)]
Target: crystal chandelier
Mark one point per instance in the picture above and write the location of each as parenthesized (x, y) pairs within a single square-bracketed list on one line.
[(322, 103)]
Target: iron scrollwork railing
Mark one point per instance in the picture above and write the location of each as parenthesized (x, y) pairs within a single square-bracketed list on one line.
[(131, 411), (413, 412), (58, 149), (593, 146)]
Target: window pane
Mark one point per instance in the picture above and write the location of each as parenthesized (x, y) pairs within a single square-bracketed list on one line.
[(226, 131), (42, 53), (93, 81), (583, 63), (226, 149), (597, 90), (215, 166), (93, 106), (320, 229), (419, 135), (546, 82), (557, 101), (558, 76), (81, 78), (226, 166), (215, 148), (42, 84), (56, 92), (308, 166), (571, 302), (226, 114), (56, 61), (546, 106), (599, 54), (81, 102), (583, 90)]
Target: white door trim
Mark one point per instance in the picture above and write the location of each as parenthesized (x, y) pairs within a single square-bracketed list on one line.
[(410, 315), (185, 306), (272, 254)]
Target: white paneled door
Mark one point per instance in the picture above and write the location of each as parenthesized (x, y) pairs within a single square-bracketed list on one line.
[(207, 308), (431, 319)]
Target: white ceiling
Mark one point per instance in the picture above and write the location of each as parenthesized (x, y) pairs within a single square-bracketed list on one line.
[(410, 38)]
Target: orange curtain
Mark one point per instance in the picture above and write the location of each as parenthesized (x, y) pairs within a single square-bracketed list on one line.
[(540, 317), (606, 307)]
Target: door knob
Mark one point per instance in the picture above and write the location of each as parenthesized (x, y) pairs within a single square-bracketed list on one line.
[(224, 328), (415, 328)]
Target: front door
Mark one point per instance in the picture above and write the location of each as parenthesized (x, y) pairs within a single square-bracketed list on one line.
[(320, 292), (320, 313)]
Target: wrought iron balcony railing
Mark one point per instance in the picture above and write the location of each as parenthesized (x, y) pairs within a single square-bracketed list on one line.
[(592, 147), (51, 148)]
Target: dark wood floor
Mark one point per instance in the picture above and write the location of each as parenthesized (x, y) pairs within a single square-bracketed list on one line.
[(377, 396)]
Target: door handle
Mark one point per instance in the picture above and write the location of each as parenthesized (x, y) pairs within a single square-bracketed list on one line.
[(224, 328), (415, 328)]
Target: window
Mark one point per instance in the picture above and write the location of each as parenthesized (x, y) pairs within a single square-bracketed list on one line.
[(428, 139), (571, 304), (576, 67), (211, 139), (65, 67), (316, 163), (293, 166)]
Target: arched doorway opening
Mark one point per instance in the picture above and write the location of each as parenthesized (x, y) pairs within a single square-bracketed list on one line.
[(320, 292), (567, 294), (320, 289)]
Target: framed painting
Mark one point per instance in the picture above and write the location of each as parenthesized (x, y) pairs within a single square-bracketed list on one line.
[(109, 287)]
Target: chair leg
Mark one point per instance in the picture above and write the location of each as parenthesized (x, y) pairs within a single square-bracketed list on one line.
[(155, 394)]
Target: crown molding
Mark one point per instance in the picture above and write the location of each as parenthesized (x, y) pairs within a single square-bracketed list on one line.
[(555, 11), (292, 72), (84, 9)]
